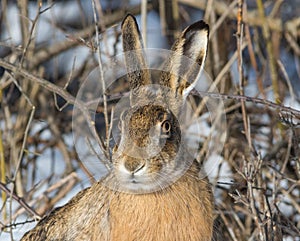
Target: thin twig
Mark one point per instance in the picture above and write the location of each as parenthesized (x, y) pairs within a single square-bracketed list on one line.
[(239, 37), (19, 200), (249, 99), (102, 81), (144, 4)]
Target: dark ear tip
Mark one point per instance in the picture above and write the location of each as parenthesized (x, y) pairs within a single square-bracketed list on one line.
[(198, 26), (129, 17)]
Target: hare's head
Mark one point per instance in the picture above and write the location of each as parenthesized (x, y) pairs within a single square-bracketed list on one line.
[(150, 154)]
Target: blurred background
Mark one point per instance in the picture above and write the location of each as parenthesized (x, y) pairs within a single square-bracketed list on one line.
[(49, 48)]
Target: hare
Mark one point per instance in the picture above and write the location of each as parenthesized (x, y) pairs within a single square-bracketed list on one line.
[(154, 191)]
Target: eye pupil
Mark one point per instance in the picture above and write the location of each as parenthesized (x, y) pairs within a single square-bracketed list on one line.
[(166, 127)]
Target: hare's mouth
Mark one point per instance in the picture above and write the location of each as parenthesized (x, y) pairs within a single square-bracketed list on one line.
[(140, 184), (136, 186), (133, 180)]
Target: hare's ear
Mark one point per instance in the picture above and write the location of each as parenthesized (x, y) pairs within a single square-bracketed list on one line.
[(186, 61), (137, 72)]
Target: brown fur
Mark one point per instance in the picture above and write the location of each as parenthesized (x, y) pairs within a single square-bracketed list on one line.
[(183, 211)]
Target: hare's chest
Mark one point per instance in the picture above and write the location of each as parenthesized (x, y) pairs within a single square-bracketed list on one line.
[(147, 218)]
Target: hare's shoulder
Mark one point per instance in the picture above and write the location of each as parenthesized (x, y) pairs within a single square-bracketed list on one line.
[(66, 222), (60, 212), (81, 204)]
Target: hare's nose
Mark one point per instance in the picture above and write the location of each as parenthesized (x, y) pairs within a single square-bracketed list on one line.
[(133, 166)]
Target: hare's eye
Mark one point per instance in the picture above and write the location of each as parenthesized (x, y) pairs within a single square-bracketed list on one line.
[(166, 128)]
